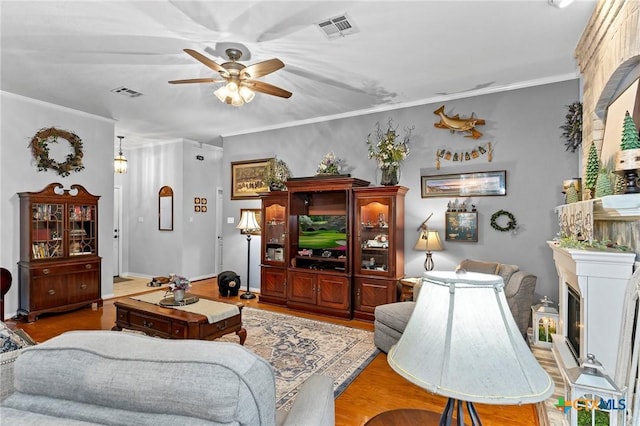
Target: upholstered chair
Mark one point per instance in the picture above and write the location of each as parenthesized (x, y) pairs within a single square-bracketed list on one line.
[(391, 319)]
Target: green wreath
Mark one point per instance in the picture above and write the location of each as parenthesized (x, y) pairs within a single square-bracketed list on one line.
[(511, 223), (40, 149)]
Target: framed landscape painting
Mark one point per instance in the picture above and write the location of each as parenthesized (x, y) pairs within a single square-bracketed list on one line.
[(247, 178), (465, 184)]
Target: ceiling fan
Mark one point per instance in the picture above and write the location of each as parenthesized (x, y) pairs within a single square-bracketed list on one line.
[(240, 79)]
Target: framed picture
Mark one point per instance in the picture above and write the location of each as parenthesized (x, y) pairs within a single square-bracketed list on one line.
[(196, 208), (258, 213), (247, 178), (465, 184), (203, 200), (196, 200), (461, 226), (203, 209)]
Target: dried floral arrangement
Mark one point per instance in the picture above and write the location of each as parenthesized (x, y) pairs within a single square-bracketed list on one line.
[(40, 149)]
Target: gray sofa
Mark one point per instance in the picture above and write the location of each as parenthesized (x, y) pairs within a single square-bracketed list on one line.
[(119, 378), (391, 319)]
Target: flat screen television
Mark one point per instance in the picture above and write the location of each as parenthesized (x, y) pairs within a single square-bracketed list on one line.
[(327, 232)]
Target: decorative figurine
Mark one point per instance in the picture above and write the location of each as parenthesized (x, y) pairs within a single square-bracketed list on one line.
[(457, 124)]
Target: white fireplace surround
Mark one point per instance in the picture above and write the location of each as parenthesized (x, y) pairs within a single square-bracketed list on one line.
[(600, 278)]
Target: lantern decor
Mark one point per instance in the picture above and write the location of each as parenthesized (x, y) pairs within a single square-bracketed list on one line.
[(594, 399), (545, 322)]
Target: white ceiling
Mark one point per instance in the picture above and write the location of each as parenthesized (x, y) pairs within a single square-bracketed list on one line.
[(73, 53)]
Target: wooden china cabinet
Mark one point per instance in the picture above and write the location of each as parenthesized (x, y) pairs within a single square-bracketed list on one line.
[(274, 253), (59, 266), (378, 247)]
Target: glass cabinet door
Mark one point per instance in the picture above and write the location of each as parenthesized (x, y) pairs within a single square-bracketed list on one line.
[(82, 229), (275, 233), (47, 230), (372, 255)]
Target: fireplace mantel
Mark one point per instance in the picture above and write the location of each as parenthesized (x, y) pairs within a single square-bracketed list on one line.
[(600, 278)]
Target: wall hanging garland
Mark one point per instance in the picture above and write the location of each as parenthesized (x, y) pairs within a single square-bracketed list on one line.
[(511, 224), (40, 149), (479, 150)]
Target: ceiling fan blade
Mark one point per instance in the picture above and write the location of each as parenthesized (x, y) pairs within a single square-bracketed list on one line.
[(269, 89), (262, 68), (208, 62), (196, 80)]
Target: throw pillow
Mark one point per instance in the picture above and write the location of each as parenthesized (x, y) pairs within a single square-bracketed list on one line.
[(12, 340), (479, 266)]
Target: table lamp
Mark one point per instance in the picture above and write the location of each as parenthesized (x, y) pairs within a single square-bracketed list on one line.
[(462, 342), (428, 241), (248, 224)]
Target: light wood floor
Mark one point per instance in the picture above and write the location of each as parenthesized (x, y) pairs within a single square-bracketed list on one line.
[(378, 388)]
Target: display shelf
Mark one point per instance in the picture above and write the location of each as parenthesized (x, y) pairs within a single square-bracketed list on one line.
[(379, 254)]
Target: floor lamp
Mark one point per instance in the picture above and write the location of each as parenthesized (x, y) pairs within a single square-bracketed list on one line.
[(462, 343), (247, 225)]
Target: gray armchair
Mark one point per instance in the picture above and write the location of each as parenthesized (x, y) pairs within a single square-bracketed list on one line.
[(391, 319)]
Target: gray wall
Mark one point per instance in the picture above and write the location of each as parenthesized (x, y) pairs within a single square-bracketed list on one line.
[(523, 126), (188, 250), (21, 118)]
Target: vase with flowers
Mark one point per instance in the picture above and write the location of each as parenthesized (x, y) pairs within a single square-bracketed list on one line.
[(330, 165), (178, 285), (389, 151)]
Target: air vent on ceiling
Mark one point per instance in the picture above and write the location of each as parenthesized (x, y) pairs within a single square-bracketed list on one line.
[(338, 26), (127, 92)]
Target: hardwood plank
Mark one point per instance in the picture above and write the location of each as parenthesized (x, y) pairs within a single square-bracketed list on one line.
[(378, 388)]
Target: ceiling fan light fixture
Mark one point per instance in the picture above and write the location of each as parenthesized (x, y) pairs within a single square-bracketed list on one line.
[(221, 93), (232, 87), (247, 94), (120, 162), (236, 100), (241, 86)]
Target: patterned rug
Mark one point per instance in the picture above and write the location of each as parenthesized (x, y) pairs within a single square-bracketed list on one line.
[(299, 347)]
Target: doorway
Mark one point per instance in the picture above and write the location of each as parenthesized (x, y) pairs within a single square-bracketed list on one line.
[(117, 219), (219, 240)]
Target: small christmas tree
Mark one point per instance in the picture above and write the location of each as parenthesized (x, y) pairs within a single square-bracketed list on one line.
[(593, 167), (571, 195), (603, 184), (630, 139)]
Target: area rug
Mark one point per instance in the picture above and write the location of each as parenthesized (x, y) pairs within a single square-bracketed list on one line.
[(299, 347), (117, 280)]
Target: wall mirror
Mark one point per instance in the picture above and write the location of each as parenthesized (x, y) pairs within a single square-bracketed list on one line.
[(165, 208)]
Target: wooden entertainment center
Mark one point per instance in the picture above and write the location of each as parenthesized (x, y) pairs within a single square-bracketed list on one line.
[(332, 245)]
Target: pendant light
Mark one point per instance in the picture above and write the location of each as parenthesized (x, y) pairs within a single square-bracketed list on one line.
[(120, 162)]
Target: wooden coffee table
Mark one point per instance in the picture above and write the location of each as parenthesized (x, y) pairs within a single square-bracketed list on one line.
[(160, 321), (405, 416)]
